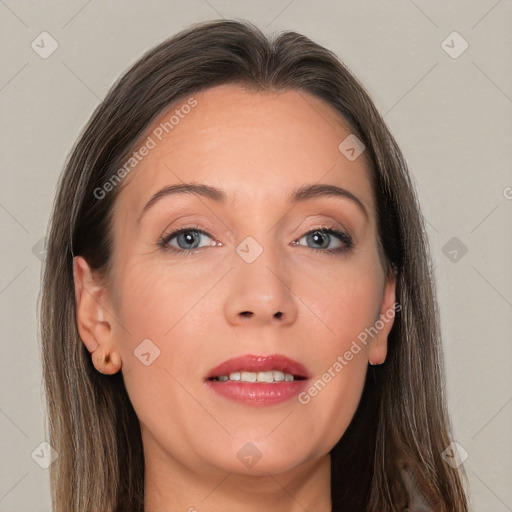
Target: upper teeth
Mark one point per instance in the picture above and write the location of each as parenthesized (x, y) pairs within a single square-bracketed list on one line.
[(270, 376)]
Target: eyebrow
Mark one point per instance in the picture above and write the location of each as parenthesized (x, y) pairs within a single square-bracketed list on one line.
[(300, 194)]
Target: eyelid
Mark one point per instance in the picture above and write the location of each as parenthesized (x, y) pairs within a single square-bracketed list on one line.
[(341, 234), (166, 237), (330, 228), (330, 224)]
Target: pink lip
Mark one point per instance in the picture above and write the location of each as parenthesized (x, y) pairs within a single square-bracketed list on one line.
[(252, 363), (253, 393)]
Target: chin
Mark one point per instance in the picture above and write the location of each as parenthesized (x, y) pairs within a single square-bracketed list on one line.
[(258, 458)]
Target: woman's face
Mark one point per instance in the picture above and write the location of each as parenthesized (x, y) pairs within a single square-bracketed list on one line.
[(254, 277)]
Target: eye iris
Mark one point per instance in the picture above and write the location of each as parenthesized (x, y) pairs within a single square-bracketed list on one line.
[(318, 237), (189, 237)]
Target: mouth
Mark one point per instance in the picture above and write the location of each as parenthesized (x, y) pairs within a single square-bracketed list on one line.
[(258, 380), (253, 368), (268, 376)]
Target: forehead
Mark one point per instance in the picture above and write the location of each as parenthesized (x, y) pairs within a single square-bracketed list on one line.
[(253, 145)]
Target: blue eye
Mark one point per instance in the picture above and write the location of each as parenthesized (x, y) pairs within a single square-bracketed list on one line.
[(188, 239), (324, 237)]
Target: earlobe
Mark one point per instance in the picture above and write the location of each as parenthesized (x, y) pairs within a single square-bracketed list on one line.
[(94, 329), (106, 362)]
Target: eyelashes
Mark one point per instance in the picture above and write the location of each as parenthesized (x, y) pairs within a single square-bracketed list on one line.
[(327, 234), (320, 235), (166, 239)]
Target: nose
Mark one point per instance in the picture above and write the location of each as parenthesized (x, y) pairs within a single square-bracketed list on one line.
[(260, 293)]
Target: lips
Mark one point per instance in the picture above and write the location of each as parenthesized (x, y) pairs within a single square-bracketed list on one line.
[(255, 363), (235, 379), (289, 379)]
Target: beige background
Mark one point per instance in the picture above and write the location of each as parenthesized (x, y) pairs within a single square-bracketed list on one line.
[(451, 116)]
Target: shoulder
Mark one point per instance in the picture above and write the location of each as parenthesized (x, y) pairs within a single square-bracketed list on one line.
[(416, 499)]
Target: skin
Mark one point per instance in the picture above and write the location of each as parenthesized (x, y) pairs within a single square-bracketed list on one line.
[(257, 147)]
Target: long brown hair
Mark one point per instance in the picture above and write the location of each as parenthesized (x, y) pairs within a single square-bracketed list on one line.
[(401, 422)]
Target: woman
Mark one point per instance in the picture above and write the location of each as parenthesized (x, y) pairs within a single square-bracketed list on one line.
[(238, 308)]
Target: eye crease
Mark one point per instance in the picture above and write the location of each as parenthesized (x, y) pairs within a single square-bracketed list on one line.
[(320, 235)]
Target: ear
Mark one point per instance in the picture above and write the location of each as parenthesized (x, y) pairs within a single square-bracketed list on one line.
[(93, 320), (384, 322)]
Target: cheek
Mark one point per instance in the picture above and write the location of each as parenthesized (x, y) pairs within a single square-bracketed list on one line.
[(163, 310), (345, 311), (166, 313), (345, 302), (155, 300)]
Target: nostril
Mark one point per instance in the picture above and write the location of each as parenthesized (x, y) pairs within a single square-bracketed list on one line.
[(278, 314), (246, 313)]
